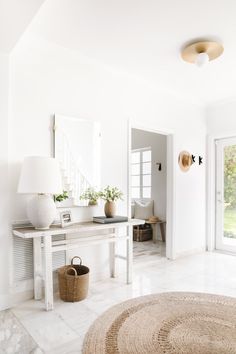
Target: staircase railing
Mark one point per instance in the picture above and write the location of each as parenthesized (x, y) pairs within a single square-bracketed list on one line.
[(73, 179)]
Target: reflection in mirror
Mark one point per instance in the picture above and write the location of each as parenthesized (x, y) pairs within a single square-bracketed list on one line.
[(77, 148)]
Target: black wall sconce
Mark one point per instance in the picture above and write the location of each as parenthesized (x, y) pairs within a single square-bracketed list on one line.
[(193, 159), (159, 166)]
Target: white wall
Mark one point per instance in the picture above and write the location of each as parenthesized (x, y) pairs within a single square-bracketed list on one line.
[(158, 144), (47, 78), (5, 252), (221, 119)]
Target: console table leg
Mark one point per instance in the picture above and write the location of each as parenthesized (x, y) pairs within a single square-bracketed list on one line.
[(48, 273), (129, 255), (67, 253), (112, 259), (37, 268), (112, 256)]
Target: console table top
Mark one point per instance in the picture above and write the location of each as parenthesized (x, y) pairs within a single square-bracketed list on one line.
[(30, 232)]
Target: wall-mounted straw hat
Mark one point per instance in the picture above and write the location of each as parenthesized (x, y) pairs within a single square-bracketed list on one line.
[(185, 161)]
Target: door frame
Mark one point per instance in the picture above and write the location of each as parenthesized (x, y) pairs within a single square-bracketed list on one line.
[(170, 183), (211, 189), (220, 144)]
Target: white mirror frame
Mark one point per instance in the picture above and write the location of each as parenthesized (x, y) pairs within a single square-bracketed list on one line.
[(79, 158)]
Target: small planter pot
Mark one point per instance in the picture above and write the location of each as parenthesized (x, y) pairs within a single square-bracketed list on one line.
[(92, 202), (110, 209)]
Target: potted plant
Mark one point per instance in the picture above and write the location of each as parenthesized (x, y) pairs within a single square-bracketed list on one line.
[(60, 197), (110, 195), (91, 195)]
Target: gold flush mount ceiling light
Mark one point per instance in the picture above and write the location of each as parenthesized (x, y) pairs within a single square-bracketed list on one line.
[(200, 53)]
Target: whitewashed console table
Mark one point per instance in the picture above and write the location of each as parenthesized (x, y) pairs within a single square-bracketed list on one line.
[(43, 242)]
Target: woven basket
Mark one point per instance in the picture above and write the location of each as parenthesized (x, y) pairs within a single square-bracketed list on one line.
[(142, 233), (73, 281)]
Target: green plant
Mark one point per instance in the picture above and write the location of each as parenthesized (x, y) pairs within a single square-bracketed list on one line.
[(90, 194), (230, 176), (61, 197), (111, 194)]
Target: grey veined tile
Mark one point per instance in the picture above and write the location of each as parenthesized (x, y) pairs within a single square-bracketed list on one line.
[(14, 338), (62, 331)]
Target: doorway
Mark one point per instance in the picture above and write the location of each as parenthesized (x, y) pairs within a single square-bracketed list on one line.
[(226, 194), (151, 181)]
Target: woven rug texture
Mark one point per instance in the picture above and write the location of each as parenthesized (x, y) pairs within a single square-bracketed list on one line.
[(170, 323)]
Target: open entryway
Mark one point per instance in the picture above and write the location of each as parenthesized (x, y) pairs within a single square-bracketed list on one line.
[(226, 194), (150, 175)]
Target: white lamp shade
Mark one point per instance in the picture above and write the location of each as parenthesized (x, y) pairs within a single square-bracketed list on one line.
[(202, 59), (40, 175)]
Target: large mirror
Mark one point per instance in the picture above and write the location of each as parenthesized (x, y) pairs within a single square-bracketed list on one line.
[(77, 146)]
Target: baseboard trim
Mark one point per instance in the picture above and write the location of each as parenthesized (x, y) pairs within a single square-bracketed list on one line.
[(190, 252), (5, 302)]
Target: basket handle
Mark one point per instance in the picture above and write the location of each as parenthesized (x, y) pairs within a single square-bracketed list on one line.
[(72, 263), (71, 268)]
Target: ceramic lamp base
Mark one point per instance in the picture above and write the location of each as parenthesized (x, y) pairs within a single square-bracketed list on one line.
[(41, 211)]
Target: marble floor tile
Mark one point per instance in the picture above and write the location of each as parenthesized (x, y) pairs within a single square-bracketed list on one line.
[(28, 308), (62, 331), (13, 337), (78, 316), (73, 347), (48, 329)]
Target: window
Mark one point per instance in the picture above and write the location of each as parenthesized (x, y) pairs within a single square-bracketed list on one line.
[(141, 173)]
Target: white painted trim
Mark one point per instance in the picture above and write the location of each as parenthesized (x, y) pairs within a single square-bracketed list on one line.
[(129, 255), (221, 242), (226, 141), (149, 129), (141, 174), (211, 188), (38, 271), (170, 199), (190, 252), (210, 202), (5, 302), (171, 184), (11, 258), (18, 292), (219, 187), (48, 276), (22, 286), (129, 199)]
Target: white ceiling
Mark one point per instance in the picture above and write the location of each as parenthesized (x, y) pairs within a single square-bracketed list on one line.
[(15, 16), (144, 37)]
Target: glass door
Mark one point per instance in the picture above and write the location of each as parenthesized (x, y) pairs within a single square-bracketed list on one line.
[(226, 194)]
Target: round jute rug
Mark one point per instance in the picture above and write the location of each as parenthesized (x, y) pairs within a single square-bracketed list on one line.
[(170, 323)]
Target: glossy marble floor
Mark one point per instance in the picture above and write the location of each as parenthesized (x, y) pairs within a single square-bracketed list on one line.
[(148, 251), (62, 330)]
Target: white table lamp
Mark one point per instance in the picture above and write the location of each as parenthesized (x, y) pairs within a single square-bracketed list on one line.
[(41, 176)]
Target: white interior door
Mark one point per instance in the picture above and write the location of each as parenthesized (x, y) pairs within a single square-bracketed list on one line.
[(226, 194)]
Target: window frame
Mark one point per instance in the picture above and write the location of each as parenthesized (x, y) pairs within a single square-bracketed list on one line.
[(141, 174)]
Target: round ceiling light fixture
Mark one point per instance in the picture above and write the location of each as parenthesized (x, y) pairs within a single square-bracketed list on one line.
[(200, 53)]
